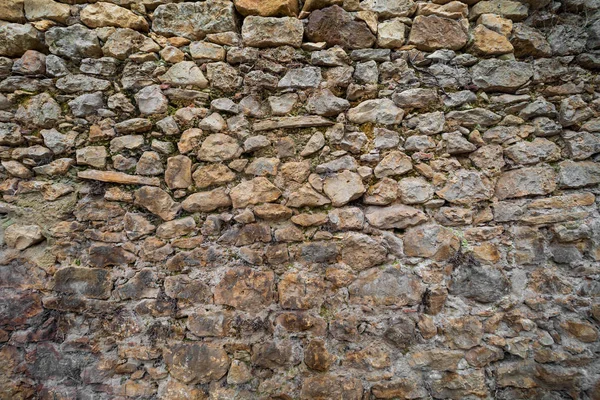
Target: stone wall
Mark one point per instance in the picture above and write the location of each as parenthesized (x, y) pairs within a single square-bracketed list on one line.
[(273, 199)]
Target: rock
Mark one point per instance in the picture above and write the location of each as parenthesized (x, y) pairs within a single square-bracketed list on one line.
[(390, 286), (402, 388), (389, 9), (429, 123), (337, 27), (179, 172), (207, 201), (16, 39), (245, 288), (538, 150), (361, 252), (306, 196), (276, 354), (528, 41), (21, 237), (207, 52), (391, 34), (488, 157), (81, 83), (103, 14), (394, 163), (125, 42), (501, 75), (94, 156), (396, 216), (331, 387), (10, 134), (582, 330), (196, 362), (489, 42), (32, 62), (157, 201), (343, 187), (219, 147), (94, 283), (214, 174), (117, 177), (75, 41), (525, 182), (272, 32), (466, 187), (105, 256), (183, 74), (316, 356), (379, 111), (87, 104), (416, 98), (578, 174), (40, 111), (12, 11), (484, 284), (301, 78), (573, 110), (150, 100), (431, 33), (366, 72), (567, 40), (36, 10), (473, 117), (414, 190), (431, 241), (457, 144), (324, 102), (269, 8), (513, 10), (291, 123), (255, 191), (282, 105), (194, 20)]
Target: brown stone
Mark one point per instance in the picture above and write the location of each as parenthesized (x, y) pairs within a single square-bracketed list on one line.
[(326, 387), (490, 43), (195, 362), (317, 357), (117, 177), (178, 174), (267, 8), (388, 287), (301, 291), (157, 201), (94, 283), (255, 191), (430, 33), (525, 182), (337, 27), (399, 388), (245, 288), (431, 241)]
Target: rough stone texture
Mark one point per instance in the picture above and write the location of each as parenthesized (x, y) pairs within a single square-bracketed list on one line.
[(355, 200)]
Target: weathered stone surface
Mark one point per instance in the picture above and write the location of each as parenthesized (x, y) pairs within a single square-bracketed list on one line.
[(194, 20), (150, 100), (94, 283), (431, 241), (245, 289), (117, 177), (501, 75), (489, 42), (332, 387), (381, 111), (336, 27), (362, 252), (578, 174), (157, 201), (183, 74), (16, 39), (431, 33), (21, 237), (196, 363), (103, 14), (255, 191), (389, 9), (291, 123), (391, 286), (525, 182), (207, 201), (269, 8), (272, 32), (75, 41), (219, 147), (395, 216), (343, 187), (466, 187)]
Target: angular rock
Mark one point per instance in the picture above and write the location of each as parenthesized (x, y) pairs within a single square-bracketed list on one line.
[(380, 111), (396, 216), (431, 33), (75, 41), (214, 174), (47, 9), (337, 27), (513, 10), (207, 201), (431, 241), (528, 41), (361, 251), (21, 237), (40, 111), (488, 42), (466, 187), (272, 32), (578, 174), (501, 75), (183, 74), (268, 8), (391, 286), (219, 147), (196, 362), (391, 34), (150, 100), (390, 8), (325, 103), (178, 174), (301, 78), (255, 191), (157, 201), (246, 289), (117, 177), (94, 283), (525, 182), (394, 163), (343, 187), (103, 14), (16, 39), (291, 123)]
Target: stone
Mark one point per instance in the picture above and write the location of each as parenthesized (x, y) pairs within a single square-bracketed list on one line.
[(255, 191), (578, 174), (183, 74), (196, 362), (291, 123), (16, 39), (21, 237), (207, 52), (391, 34), (416, 98), (301, 78), (94, 283), (150, 100), (466, 187), (457, 144), (402, 388), (219, 147), (245, 288), (386, 287), (582, 330), (207, 201), (81, 83), (573, 111), (464, 333), (394, 163), (429, 123), (40, 111), (431, 241), (525, 182), (157, 201), (87, 104), (567, 40), (12, 11), (473, 117), (379, 111), (538, 150), (362, 252), (389, 9), (489, 42), (213, 174), (117, 177), (271, 32), (325, 103), (75, 41), (270, 8), (178, 174), (94, 156), (501, 75), (343, 187), (414, 190), (337, 27), (484, 284), (36, 10), (194, 20), (103, 14), (429, 33), (331, 387), (125, 42), (32, 62), (510, 9), (528, 41), (317, 357), (10, 134), (366, 72), (488, 157), (396, 216), (300, 291)]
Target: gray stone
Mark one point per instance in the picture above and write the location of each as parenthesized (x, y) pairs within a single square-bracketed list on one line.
[(75, 41), (87, 104), (501, 75), (343, 187), (183, 74), (578, 174), (379, 111), (301, 78), (324, 102), (466, 187), (271, 32), (81, 83), (16, 39)]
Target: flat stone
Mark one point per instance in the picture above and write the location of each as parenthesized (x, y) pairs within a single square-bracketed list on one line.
[(489, 42), (214, 174), (103, 14), (389, 9), (391, 34), (431, 241), (337, 27), (75, 41), (268, 8), (272, 32), (207, 201), (466, 187), (151, 100), (125, 42), (393, 164), (245, 289), (36, 10), (324, 102), (117, 177), (362, 252), (343, 187), (473, 117), (578, 174), (178, 174), (196, 362), (391, 286), (501, 75), (379, 111), (21, 237), (431, 33), (207, 52), (94, 283), (157, 201), (255, 191), (513, 10), (525, 182), (291, 123), (397, 216)]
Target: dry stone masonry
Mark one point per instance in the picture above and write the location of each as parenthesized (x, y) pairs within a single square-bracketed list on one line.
[(288, 199)]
